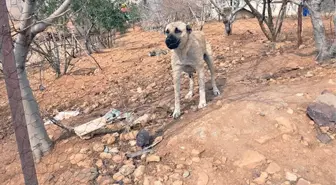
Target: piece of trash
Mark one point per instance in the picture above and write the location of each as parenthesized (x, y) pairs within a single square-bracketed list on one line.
[(115, 115), (89, 127), (110, 150), (143, 138), (157, 52), (112, 115), (63, 115)]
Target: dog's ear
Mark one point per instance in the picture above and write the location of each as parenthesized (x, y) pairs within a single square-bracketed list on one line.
[(188, 28)]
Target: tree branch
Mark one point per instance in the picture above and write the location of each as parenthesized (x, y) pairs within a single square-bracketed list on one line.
[(219, 10), (42, 25)]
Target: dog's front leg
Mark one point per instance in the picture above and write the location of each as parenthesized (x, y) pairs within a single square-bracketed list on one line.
[(177, 84), (201, 84)]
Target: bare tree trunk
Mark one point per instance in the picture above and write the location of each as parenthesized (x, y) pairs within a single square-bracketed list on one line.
[(319, 31), (39, 139), (299, 29), (15, 99)]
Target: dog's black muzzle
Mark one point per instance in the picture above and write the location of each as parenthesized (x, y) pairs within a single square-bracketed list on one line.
[(172, 42)]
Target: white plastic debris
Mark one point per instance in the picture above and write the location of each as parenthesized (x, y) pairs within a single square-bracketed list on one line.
[(63, 115)]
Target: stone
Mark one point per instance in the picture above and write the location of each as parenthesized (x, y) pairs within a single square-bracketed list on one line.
[(285, 125), (290, 111), (331, 81), (142, 119), (224, 159), (85, 164), (128, 136), (186, 174), (84, 150), (99, 163), (264, 139), (76, 158), (196, 153), (250, 159), (127, 169), (324, 138), (158, 183), (291, 177), (286, 137), (139, 171), (180, 166), (302, 181), (153, 158), (104, 155), (117, 159), (177, 183), (143, 138), (98, 147), (327, 98), (147, 180), (118, 176), (196, 159), (322, 114), (261, 179), (104, 180), (273, 168), (302, 46), (108, 139), (203, 178), (132, 142), (139, 90)]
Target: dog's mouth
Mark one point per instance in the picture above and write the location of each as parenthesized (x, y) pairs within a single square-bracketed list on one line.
[(172, 42)]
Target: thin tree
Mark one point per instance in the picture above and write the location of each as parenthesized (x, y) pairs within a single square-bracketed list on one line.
[(15, 98), (325, 50), (29, 28)]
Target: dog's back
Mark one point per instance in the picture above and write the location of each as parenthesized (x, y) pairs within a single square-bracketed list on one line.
[(244, 14), (199, 37)]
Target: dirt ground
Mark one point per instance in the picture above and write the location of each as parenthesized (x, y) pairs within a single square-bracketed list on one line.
[(255, 132)]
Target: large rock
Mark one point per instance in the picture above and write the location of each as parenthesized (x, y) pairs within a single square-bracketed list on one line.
[(322, 114), (327, 98)]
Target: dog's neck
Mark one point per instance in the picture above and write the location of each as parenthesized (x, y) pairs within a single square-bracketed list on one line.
[(182, 46)]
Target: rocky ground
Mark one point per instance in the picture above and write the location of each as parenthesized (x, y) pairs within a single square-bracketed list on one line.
[(256, 132)]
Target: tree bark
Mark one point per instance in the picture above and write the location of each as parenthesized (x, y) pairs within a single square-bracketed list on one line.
[(319, 31), (299, 28), (39, 139), (15, 98)]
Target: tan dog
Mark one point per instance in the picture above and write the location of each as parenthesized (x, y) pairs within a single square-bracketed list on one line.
[(189, 50)]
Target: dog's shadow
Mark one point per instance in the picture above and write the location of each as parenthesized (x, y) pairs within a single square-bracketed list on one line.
[(221, 82)]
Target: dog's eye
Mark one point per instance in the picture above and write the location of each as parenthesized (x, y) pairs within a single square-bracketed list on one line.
[(167, 31), (177, 30)]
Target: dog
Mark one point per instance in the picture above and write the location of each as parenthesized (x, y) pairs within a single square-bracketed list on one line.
[(189, 49)]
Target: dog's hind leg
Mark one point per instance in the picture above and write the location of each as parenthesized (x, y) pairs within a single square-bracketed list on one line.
[(208, 59), (177, 86), (191, 87)]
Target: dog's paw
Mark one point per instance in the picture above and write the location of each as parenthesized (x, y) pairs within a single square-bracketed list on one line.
[(201, 105), (189, 95), (176, 114), (216, 92)]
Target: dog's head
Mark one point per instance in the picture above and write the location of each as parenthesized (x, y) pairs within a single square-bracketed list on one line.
[(176, 34)]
